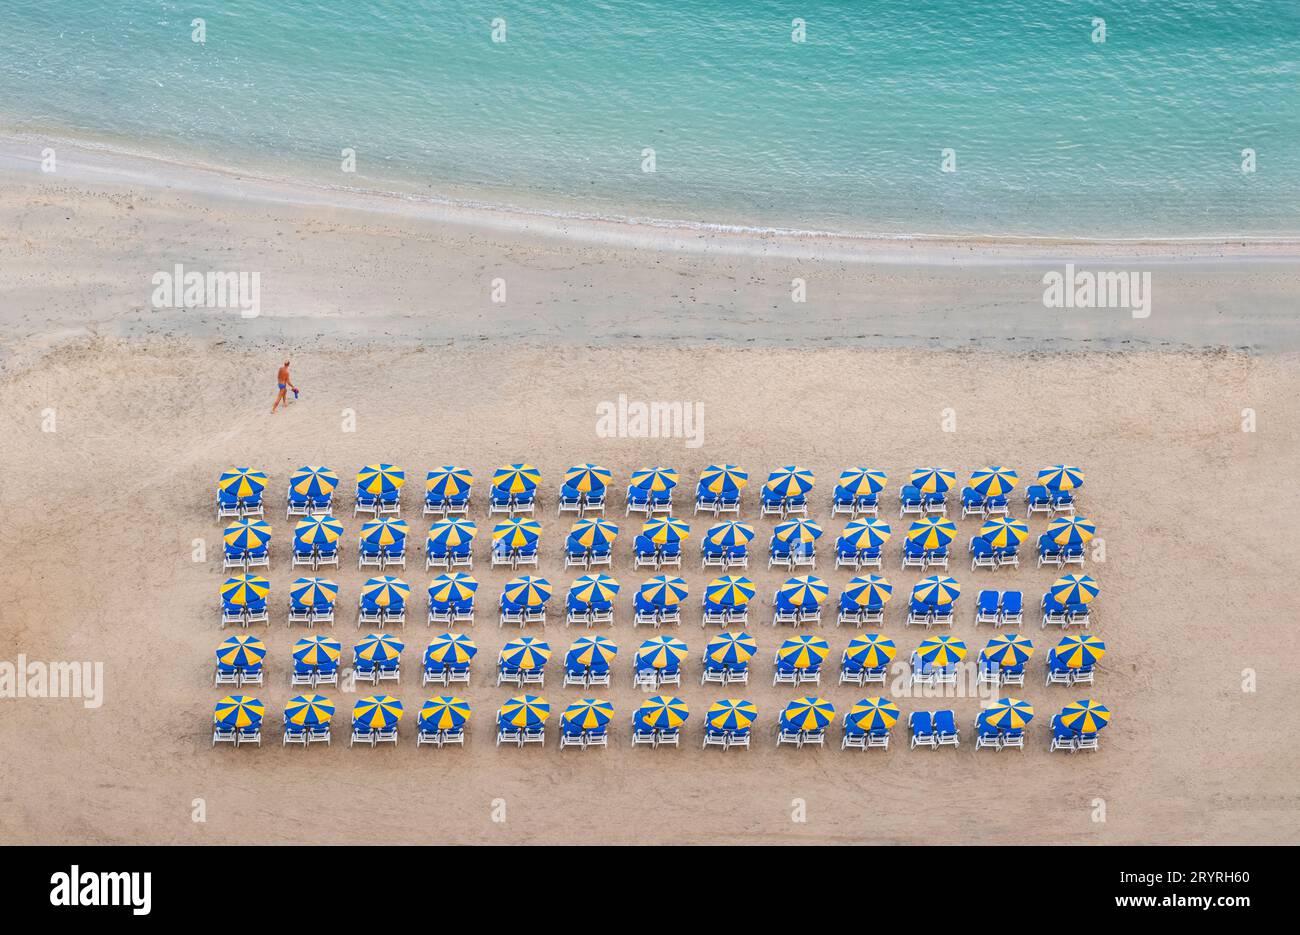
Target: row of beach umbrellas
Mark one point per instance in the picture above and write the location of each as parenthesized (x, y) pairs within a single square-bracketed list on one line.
[(800, 591), (662, 712), (789, 480), (869, 650)]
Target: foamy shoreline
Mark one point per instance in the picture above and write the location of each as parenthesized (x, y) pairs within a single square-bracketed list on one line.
[(99, 163)]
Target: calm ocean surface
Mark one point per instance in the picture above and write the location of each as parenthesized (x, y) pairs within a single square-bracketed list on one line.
[(1053, 134)]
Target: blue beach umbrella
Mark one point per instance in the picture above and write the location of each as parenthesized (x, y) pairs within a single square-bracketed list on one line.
[(456, 586), (313, 482), (730, 649), (729, 534), (936, 590), (872, 714), (588, 714), (593, 533), (941, 650), (379, 647), (589, 589), (1008, 650), (731, 714), (798, 530), (247, 533), (807, 713), (995, 481), (526, 652), (242, 482), (527, 591), (451, 533), (449, 481), (380, 479), (804, 592), (790, 481), (450, 649), (664, 590), (384, 533), (871, 650), (661, 652), (665, 530), (862, 482), (655, 479), (803, 652), (596, 651), (1071, 530), (516, 478), (933, 480), (1074, 589), (1061, 477), (1086, 716), (730, 591), (867, 533), (932, 532), (1077, 652), (378, 712), (525, 711), (309, 711), (516, 532), (317, 650), (238, 712), (241, 651), (1009, 714), (869, 590), (244, 590), (663, 712), (1003, 532), (316, 532), (724, 480), (587, 478), (385, 591), (444, 712)]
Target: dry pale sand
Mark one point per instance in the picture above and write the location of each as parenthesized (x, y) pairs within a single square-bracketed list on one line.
[(387, 315), (99, 518)]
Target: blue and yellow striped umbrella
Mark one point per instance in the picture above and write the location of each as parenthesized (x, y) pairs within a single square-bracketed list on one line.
[(1003, 532), (730, 649), (664, 590), (1008, 649), (724, 480), (866, 590), (517, 532), (731, 714), (587, 478), (317, 531), (313, 481), (807, 713), (803, 651), (591, 651), (654, 479), (591, 588), (1075, 589), (527, 590), (867, 533), (242, 482), (243, 590), (798, 530), (663, 530), (871, 650), (936, 590), (378, 712), (804, 592), (941, 650), (588, 714), (593, 533), (449, 481), (384, 533), (1009, 714), (309, 711), (317, 650), (661, 652), (1085, 715), (526, 652), (525, 711), (729, 534), (861, 481), (242, 650), (247, 533), (663, 712), (379, 647), (995, 481), (790, 481), (1061, 477), (874, 713), (1080, 651), (380, 479), (516, 478), (450, 649), (456, 586), (452, 533), (932, 532), (385, 591), (730, 591), (444, 712), (933, 480), (1071, 530), (238, 711)]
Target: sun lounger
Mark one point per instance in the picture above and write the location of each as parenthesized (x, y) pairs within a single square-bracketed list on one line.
[(785, 615), (771, 504), (986, 735), (1011, 612), (986, 607), (972, 504), (1037, 500), (945, 727), (1063, 738), (369, 556), (303, 555), (982, 555), (783, 674), (920, 612), (921, 726), (569, 501), (779, 553), (1055, 613), (713, 737)]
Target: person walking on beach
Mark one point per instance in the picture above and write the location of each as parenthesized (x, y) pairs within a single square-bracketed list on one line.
[(282, 380)]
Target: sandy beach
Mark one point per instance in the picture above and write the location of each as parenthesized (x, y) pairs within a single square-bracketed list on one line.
[(389, 320)]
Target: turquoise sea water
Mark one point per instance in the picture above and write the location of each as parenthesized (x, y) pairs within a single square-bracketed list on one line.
[(1053, 134)]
